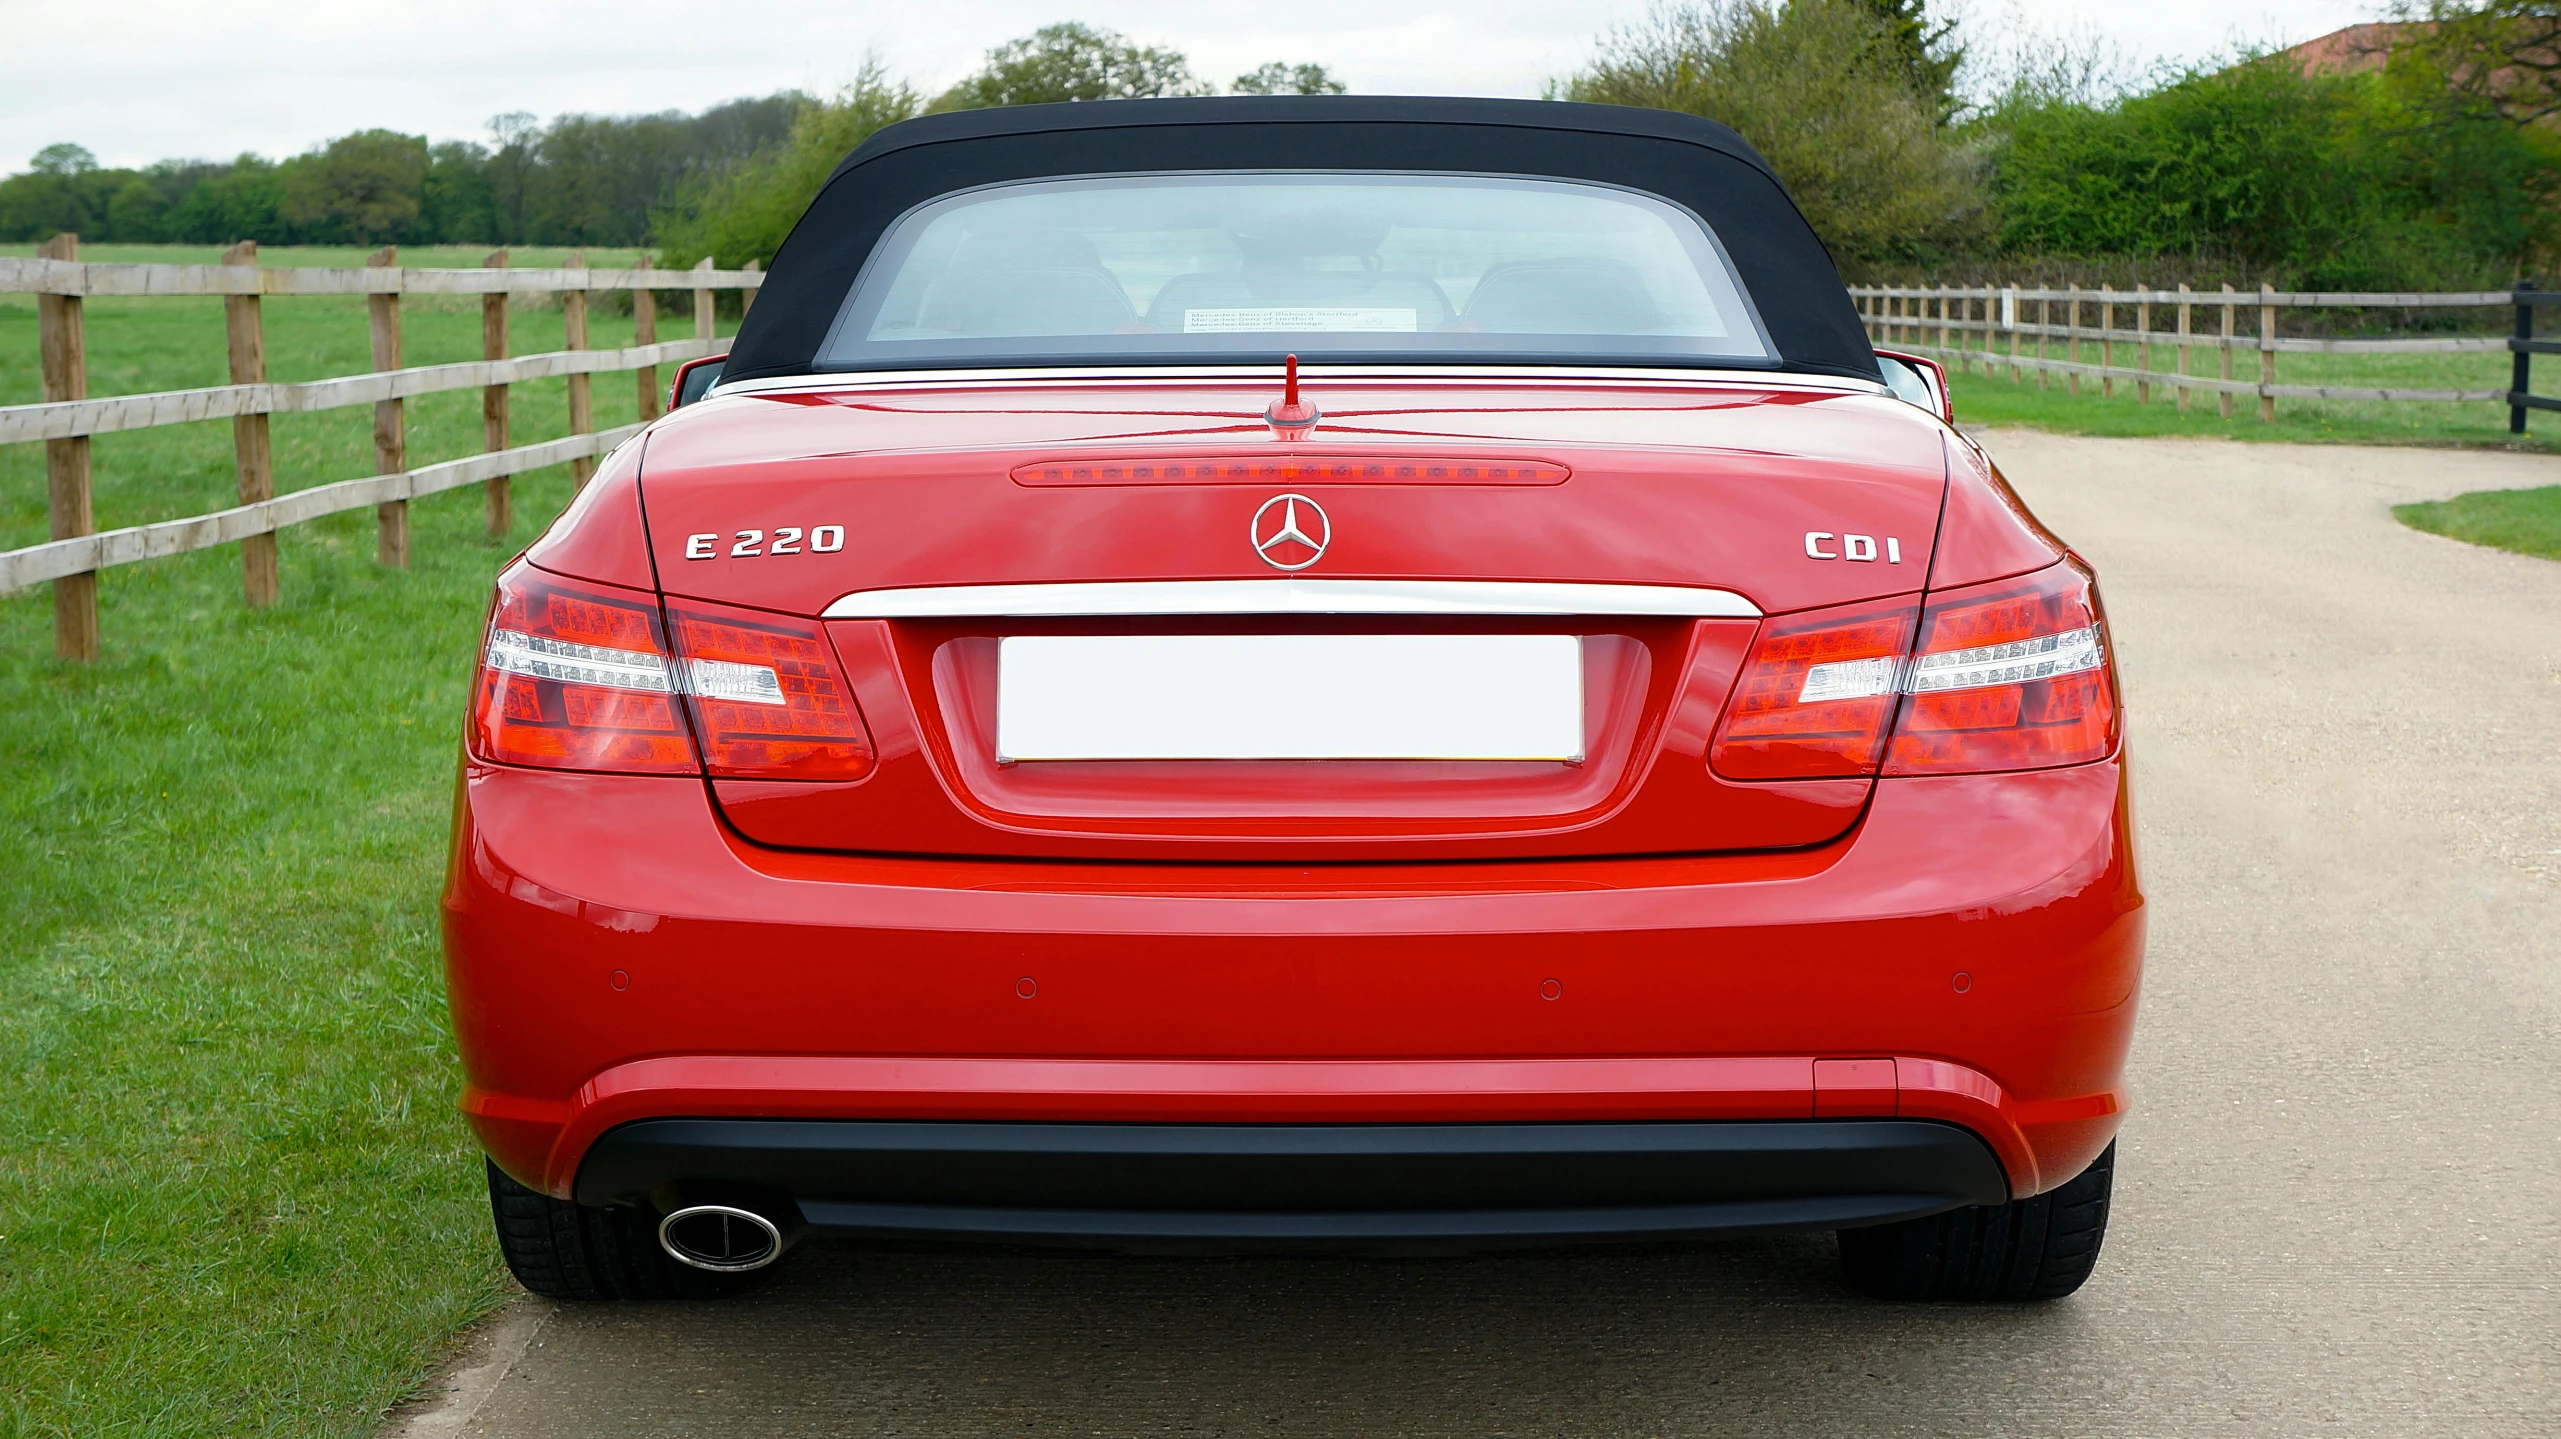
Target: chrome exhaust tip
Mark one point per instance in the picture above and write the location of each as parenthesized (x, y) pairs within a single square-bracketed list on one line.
[(722, 1238)]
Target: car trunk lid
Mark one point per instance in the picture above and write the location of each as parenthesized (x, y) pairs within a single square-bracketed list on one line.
[(1645, 525)]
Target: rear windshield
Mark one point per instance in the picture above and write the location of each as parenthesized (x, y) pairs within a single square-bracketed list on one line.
[(1191, 267)]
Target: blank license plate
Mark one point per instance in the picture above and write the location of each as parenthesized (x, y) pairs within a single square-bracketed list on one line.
[(1475, 697)]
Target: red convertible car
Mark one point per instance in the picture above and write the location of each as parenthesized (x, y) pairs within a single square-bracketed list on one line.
[(1322, 670)]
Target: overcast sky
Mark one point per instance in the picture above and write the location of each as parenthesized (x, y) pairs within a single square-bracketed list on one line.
[(140, 80)]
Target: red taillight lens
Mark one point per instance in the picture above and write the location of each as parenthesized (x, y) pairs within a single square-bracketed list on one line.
[(1816, 696), (576, 677), (2010, 675), (768, 698)]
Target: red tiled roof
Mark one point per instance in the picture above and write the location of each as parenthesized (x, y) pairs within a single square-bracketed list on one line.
[(2350, 51)]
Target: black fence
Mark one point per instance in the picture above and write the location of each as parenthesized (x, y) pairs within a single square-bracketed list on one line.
[(2521, 396)]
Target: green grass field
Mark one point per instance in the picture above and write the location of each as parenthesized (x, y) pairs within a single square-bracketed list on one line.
[(2526, 521), (234, 1194), (1996, 401)]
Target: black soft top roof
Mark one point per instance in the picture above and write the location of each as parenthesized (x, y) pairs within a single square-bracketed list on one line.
[(1682, 158)]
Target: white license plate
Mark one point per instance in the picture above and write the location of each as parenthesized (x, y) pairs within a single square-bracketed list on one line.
[(1472, 697)]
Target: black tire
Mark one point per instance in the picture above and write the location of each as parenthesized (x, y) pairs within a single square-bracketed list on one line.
[(2028, 1249), (563, 1250)]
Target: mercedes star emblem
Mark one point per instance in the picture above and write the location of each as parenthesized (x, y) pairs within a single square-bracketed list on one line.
[(1291, 543)]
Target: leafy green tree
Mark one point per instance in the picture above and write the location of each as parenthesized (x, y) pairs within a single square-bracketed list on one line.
[(1928, 52), (236, 202), (743, 213), (1821, 90), (1071, 62), (134, 211), (1276, 78), (2504, 54), (455, 204), (62, 189), (2331, 182), (510, 171), (594, 179), (63, 160), (358, 189)]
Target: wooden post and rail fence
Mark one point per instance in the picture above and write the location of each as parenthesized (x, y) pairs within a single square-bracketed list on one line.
[(1985, 326), (68, 417), (2010, 328)]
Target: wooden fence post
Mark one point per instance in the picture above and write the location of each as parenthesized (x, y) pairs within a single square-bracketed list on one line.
[(390, 428), (1946, 299), (2143, 350), (2107, 342), (252, 448), (582, 389), (2010, 320), (2521, 367), (66, 462), (2224, 399), (2187, 318), (2074, 329), (747, 298), (703, 329), (493, 399), (2044, 323), (644, 331), (2267, 353)]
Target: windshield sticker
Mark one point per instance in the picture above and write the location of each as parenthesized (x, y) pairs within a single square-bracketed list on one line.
[(1196, 322)]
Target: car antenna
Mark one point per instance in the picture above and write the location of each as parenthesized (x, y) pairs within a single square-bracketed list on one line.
[(1291, 417)]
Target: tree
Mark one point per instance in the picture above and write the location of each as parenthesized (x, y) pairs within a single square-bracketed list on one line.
[(63, 160), (359, 189), (456, 203), (236, 202), (744, 212), (1276, 78), (2333, 182), (1928, 54), (1071, 62), (1820, 89), (134, 211), (2505, 54), (594, 179), (510, 171), (62, 189)]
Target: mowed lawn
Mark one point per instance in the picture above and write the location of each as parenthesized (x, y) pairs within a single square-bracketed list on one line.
[(1995, 400), (234, 1194), (2526, 521)]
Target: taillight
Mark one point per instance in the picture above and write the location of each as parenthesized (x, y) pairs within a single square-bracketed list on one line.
[(1817, 695), (576, 677), (2004, 676), (2010, 675), (767, 696)]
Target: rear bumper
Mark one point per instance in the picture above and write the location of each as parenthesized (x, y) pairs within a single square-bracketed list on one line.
[(1105, 1183), (1969, 954)]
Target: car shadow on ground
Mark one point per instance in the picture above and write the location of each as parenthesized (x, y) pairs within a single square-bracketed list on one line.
[(1757, 1335)]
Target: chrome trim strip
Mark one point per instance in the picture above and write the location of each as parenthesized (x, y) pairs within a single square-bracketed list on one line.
[(1289, 597)]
